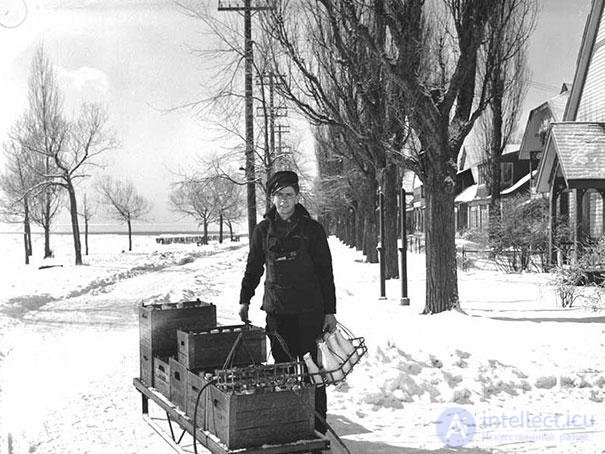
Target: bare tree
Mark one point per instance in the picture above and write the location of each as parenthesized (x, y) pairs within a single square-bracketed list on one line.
[(225, 55), (64, 150), (228, 202), (124, 202), (15, 182), (87, 212), (433, 57), (195, 198), (508, 31), (335, 81), (43, 136)]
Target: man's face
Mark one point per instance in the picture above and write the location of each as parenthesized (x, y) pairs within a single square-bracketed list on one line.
[(285, 200)]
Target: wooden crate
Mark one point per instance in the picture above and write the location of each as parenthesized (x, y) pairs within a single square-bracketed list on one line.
[(158, 324), (161, 375), (146, 363), (178, 383), (250, 420), (209, 349), (195, 382)]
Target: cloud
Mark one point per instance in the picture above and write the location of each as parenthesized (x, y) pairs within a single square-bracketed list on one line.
[(86, 81), (87, 4)]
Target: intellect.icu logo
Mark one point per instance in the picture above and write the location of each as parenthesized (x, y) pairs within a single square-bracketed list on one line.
[(456, 427)]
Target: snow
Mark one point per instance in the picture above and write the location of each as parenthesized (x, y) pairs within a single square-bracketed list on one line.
[(530, 374)]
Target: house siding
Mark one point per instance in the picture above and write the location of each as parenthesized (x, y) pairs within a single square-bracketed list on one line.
[(592, 102), (601, 33)]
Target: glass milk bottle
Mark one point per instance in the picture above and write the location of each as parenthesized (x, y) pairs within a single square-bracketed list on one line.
[(337, 350), (313, 370), (347, 347), (330, 363)]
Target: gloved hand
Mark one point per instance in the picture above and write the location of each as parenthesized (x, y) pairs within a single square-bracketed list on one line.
[(243, 312), (330, 323)]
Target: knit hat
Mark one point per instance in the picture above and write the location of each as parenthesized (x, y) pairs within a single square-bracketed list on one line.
[(282, 179)]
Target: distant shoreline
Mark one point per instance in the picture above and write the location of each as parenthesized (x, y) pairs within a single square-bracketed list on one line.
[(145, 232)]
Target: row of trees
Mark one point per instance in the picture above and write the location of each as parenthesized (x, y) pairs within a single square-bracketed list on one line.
[(48, 155), (211, 197), (392, 87)]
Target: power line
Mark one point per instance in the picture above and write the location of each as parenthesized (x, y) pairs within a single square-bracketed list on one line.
[(543, 86)]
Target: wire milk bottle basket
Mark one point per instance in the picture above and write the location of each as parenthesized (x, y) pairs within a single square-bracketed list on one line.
[(339, 352)]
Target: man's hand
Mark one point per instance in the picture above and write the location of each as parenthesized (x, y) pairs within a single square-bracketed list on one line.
[(330, 323), (243, 312)]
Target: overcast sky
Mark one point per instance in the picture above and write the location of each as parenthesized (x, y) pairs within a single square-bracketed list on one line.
[(135, 58)]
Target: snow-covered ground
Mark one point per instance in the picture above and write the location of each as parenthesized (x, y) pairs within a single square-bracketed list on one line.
[(517, 374)]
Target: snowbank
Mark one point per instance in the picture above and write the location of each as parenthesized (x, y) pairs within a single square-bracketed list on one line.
[(517, 374)]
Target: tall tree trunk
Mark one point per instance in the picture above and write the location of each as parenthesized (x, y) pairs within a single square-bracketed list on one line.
[(86, 234), (370, 227), (230, 225), (359, 223), (220, 228), (46, 222), (352, 227), (75, 226), (441, 273), (496, 153), (339, 234), (391, 192), (205, 231), (129, 235), (27, 229), (25, 248), (370, 238)]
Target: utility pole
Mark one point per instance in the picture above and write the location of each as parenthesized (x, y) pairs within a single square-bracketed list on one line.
[(380, 247), (403, 249), (281, 130), (247, 8), (270, 112)]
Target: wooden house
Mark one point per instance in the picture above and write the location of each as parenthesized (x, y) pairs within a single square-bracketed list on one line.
[(536, 130), (572, 169), (473, 197)]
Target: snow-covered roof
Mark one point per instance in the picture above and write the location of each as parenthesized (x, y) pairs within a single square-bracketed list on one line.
[(522, 181), (578, 148), (539, 118), (467, 195)]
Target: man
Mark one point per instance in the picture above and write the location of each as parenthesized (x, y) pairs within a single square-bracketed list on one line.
[(299, 296)]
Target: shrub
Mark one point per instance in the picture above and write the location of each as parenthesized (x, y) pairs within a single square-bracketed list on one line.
[(520, 234), (477, 236), (566, 281)]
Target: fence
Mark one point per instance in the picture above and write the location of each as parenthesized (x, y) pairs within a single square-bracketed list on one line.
[(198, 239), (509, 260)]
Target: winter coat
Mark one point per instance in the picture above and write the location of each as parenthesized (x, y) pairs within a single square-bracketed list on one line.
[(298, 261)]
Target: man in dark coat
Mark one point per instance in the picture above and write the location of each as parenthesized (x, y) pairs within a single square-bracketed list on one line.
[(299, 296)]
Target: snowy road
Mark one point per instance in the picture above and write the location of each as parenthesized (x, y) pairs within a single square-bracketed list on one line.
[(67, 387), (67, 359)]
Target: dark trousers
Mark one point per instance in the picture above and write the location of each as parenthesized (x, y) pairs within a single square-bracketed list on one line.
[(299, 333)]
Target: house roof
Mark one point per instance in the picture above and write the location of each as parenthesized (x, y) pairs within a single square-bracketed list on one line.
[(408, 180), (591, 31), (510, 148), (518, 185), (551, 110), (578, 148), (467, 195)]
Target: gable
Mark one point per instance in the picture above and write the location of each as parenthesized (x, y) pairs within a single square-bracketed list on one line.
[(592, 99), (587, 98), (538, 123), (578, 149)]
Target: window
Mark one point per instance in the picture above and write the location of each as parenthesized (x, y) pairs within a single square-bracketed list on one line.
[(482, 174), (506, 174), (484, 221), (593, 213)]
